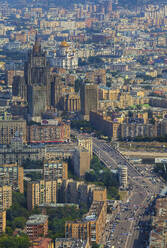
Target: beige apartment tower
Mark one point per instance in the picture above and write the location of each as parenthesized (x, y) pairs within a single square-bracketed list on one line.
[(39, 192), (5, 197), (14, 175)]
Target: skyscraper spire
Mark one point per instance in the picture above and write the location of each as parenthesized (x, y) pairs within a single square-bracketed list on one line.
[(37, 45)]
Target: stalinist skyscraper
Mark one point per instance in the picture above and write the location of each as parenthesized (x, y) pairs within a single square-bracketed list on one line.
[(37, 78)]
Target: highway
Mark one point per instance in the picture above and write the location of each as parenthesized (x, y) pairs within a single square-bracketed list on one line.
[(123, 231)]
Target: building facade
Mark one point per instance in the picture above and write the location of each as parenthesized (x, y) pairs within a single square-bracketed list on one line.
[(15, 175), (37, 78), (2, 222), (5, 197), (49, 133), (36, 226), (41, 191), (89, 99), (55, 169), (81, 161), (9, 128)]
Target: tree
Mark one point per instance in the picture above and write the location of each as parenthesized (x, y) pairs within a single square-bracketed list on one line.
[(19, 222), (14, 242)]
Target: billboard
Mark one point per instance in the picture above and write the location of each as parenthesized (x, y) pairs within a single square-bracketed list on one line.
[(49, 122)]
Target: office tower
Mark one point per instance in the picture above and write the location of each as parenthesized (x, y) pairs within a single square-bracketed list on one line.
[(89, 99), (40, 192), (37, 78)]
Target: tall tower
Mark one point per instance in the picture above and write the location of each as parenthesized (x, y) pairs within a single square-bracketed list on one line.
[(89, 99), (37, 78)]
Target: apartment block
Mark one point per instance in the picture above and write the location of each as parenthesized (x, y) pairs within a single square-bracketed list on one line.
[(8, 129), (71, 243), (81, 193), (158, 234), (55, 169), (91, 226), (36, 226), (14, 175), (2, 221), (81, 161), (49, 133), (5, 197), (86, 142), (138, 130), (39, 192)]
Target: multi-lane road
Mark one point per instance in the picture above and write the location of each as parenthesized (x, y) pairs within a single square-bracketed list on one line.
[(126, 232)]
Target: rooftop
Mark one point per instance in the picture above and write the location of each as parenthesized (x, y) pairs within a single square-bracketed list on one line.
[(36, 219)]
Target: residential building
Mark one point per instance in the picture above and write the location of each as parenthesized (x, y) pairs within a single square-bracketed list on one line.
[(15, 175), (159, 226), (86, 142), (81, 161), (36, 226), (2, 221), (123, 176), (55, 169), (17, 152), (49, 133), (71, 243), (91, 226), (9, 128), (41, 191), (5, 197)]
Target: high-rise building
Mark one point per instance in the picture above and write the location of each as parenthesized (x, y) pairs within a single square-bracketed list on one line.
[(37, 78), (14, 175), (2, 221), (123, 176), (39, 192), (89, 99), (81, 161), (91, 227), (86, 142), (5, 197), (55, 169)]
